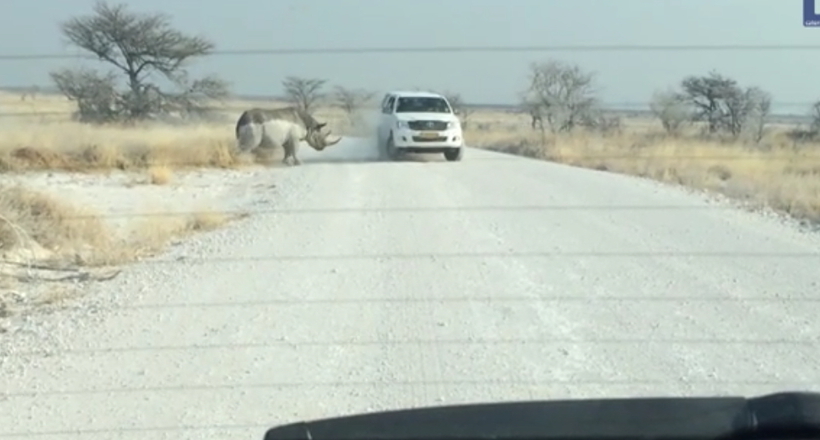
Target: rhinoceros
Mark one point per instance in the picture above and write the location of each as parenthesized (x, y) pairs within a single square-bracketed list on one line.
[(285, 127)]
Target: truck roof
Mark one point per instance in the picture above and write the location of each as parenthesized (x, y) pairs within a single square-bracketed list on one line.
[(415, 94)]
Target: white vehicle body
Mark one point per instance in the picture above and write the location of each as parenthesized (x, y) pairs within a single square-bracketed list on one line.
[(419, 122)]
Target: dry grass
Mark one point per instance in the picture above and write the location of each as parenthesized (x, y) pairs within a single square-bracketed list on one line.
[(76, 147), (776, 173), (779, 174), (42, 137), (39, 228)]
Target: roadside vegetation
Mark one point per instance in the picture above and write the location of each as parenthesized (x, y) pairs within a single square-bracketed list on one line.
[(707, 132)]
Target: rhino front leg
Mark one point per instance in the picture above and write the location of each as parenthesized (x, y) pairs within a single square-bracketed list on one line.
[(290, 151)]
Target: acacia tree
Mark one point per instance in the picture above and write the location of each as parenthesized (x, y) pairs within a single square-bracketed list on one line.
[(724, 105), (707, 94), (138, 46), (304, 93)]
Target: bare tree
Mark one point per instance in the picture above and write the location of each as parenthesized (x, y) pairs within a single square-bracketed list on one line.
[(351, 100), (563, 93), (737, 108), (533, 109), (761, 111), (672, 109), (752, 108), (95, 94), (304, 93), (462, 110)]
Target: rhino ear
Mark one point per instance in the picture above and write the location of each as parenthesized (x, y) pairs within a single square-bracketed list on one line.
[(321, 126)]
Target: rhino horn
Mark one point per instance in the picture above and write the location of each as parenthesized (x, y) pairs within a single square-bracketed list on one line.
[(332, 142), (319, 141)]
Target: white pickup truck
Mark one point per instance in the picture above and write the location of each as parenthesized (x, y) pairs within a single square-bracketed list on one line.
[(419, 122)]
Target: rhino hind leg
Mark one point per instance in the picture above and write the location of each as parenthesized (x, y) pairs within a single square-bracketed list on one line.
[(295, 146), (288, 153), (249, 138)]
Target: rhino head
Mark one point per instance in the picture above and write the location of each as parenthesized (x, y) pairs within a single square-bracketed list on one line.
[(315, 136)]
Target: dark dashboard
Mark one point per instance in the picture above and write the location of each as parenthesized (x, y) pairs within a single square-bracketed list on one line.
[(782, 415)]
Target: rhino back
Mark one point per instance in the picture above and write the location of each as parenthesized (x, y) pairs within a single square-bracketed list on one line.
[(283, 114), (260, 116)]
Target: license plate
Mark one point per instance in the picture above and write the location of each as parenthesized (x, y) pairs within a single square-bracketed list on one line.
[(428, 134)]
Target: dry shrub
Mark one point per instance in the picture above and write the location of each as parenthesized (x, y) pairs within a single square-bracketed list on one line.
[(160, 175), (42, 227), (35, 226), (776, 173)]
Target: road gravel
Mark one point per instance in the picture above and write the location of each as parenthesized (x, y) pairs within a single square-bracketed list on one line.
[(362, 286)]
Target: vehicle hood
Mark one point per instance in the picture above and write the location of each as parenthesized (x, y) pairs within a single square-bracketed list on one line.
[(446, 117), (781, 415)]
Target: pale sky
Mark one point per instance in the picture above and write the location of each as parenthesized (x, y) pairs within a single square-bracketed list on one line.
[(31, 26)]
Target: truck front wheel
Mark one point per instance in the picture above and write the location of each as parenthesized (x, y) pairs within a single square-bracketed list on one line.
[(454, 154)]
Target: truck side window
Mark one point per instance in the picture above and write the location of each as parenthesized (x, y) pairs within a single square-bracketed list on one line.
[(388, 107)]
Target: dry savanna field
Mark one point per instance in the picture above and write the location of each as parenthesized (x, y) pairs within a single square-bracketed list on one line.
[(50, 233)]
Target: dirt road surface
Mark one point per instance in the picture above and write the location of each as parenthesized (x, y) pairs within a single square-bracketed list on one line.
[(362, 286)]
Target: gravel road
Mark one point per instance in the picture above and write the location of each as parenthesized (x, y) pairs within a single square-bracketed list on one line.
[(363, 286)]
